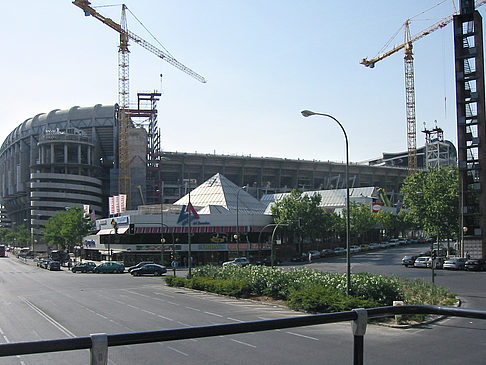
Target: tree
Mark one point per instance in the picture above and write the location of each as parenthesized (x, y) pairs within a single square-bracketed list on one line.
[(392, 224), (303, 215), (431, 198), (361, 219), (66, 228)]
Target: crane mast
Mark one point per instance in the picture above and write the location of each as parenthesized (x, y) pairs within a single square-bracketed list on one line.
[(123, 84), (410, 79)]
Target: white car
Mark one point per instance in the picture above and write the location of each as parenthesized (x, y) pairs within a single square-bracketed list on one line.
[(243, 261), (354, 249), (421, 261)]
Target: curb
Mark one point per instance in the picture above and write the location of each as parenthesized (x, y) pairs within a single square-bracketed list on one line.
[(429, 321)]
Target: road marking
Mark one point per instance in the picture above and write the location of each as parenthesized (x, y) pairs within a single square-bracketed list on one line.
[(164, 294), (194, 309), (304, 336), (243, 343), (234, 319), (213, 314), (166, 318), (132, 306), (148, 312), (51, 320), (180, 352)]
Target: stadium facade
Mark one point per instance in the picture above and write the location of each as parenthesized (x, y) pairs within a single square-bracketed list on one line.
[(68, 158)]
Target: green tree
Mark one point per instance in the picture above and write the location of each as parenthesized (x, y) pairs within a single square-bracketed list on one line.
[(392, 224), (304, 216), (66, 229), (361, 219), (431, 199), (22, 235)]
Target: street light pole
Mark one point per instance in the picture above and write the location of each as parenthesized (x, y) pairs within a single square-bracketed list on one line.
[(162, 223), (308, 113)]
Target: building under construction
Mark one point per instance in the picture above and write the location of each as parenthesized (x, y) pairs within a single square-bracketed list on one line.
[(68, 158)]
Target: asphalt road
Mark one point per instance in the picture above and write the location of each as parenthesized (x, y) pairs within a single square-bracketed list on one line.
[(38, 304)]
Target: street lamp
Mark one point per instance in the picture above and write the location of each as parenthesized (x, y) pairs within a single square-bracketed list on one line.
[(308, 113)]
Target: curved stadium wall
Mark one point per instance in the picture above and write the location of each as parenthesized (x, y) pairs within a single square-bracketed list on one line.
[(56, 161)]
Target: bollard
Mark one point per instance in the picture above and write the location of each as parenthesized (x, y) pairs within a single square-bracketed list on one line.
[(99, 349), (359, 329)]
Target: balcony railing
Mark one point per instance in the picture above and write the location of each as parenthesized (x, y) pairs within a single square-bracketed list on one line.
[(99, 343)]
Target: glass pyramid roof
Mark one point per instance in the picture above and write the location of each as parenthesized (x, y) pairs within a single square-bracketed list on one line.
[(218, 195)]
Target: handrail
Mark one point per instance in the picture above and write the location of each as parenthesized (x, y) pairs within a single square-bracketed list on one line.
[(358, 316)]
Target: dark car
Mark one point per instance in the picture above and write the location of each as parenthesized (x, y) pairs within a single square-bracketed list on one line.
[(84, 267), (54, 265), (475, 265), (44, 263), (110, 267), (149, 269), (140, 264), (267, 261), (408, 260)]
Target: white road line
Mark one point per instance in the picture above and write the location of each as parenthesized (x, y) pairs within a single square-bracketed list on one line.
[(176, 304), (100, 315), (148, 312), (234, 319), (132, 306), (213, 314), (1, 331), (304, 336), (164, 294), (51, 320), (243, 343), (166, 318), (180, 352), (194, 309)]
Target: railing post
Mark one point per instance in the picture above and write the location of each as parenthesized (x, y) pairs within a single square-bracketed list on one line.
[(99, 349), (359, 328)]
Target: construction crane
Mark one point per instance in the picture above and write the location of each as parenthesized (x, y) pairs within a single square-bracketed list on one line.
[(123, 83), (410, 79)]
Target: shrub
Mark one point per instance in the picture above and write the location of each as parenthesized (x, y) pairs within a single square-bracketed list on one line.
[(175, 281), (320, 299), (235, 288)]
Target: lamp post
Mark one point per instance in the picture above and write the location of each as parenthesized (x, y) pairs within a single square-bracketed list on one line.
[(237, 235), (308, 113), (162, 223)]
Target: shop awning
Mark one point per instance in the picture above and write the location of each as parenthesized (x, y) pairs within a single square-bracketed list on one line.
[(103, 232)]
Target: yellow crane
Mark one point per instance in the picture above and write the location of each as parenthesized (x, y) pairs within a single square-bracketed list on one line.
[(123, 83), (410, 78)]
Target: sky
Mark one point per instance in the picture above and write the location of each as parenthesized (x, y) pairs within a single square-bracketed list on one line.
[(264, 62)]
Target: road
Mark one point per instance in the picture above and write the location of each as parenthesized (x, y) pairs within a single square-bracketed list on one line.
[(39, 304)]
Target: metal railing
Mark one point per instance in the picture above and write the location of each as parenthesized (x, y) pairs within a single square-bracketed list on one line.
[(99, 343)]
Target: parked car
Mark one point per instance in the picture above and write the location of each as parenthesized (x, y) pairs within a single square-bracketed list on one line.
[(327, 252), (455, 264), (408, 260), (54, 266), (315, 254), (374, 246), (421, 261), (267, 261), (475, 265), (243, 261), (112, 267), (84, 267), (354, 249), (438, 262), (149, 269), (140, 264), (339, 250), (364, 247), (44, 263), (299, 258)]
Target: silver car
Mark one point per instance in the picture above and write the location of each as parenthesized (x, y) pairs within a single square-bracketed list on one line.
[(421, 261), (455, 264)]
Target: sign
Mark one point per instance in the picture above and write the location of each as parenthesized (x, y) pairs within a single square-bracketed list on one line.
[(376, 207)]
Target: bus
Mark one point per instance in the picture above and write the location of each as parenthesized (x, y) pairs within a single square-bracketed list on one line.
[(2, 250)]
